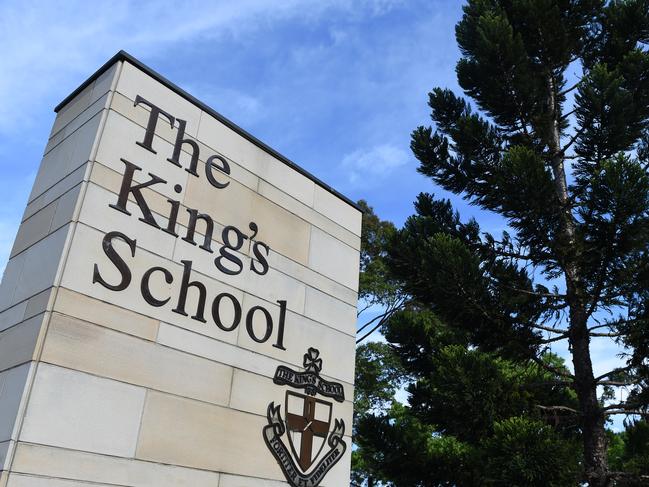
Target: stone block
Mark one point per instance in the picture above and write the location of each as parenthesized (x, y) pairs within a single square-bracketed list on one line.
[(118, 142), (41, 262), (11, 316), (10, 280), (332, 312), (133, 82), (66, 157), (108, 315), (97, 213), (112, 375), (72, 109), (239, 358), (4, 447), (234, 146), (38, 303), (79, 345), (18, 343), (301, 333), (334, 259), (77, 465), (61, 187), (239, 481), (290, 181), (309, 214), (92, 110), (12, 386), (183, 432), (21, 480), (34, 229), (75, 410), (337, 210)]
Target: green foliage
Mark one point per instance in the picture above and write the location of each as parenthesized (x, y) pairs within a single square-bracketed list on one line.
[(442, 264), (631, 449), (376, 285), (401, 450), (379, 375), (457, 397), (524, 453), (556, 142)]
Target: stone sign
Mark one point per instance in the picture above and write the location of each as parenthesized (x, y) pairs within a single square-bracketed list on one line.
[(179, 306)]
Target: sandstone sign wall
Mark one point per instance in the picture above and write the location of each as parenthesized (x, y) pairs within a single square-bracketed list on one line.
[(179, 306)]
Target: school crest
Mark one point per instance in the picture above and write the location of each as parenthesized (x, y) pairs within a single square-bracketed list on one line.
[(314, 446)]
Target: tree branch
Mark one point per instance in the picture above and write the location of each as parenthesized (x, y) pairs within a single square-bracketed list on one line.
[(514, 255), (383, 318), (550, 368), (615, 383), (391, 308), (566, 115), (535, 293), (370, 322), (553, 339), (362, 310), (622, 406), (626, 412), (609, 335), (568, 90), (621, 369), (573, 139), (615, 323), (550, 329), (558, 408), (605, 325)]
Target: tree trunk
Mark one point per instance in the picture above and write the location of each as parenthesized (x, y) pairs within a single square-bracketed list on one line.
[(592, 417)]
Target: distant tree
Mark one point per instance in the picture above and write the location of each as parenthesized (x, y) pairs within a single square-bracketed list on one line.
[(629, 453), (472, 418), (379, 295), (379, 375), (557, 143)]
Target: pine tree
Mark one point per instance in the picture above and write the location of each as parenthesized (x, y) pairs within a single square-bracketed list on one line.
[(556, 141), (473, 417)]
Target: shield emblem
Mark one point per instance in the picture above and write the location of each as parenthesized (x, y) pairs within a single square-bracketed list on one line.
[(307, 425)]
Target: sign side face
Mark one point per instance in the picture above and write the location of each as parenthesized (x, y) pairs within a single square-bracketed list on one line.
[(202, 328), (33, 271)]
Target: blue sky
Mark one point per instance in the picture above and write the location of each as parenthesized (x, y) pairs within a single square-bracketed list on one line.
[(335, 85)]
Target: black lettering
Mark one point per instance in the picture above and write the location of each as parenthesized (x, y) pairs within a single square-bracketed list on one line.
[(250, 324), (259, 264), (227, 251), (216, 312), (194, 216), (153, 121), (184, 287), (173, 218), (224, 167), (111, 253), (280, 327), (136, 190), (180, 141), (146, 290)]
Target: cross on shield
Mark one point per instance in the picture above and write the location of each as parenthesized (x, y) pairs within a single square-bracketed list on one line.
[(307, 422)]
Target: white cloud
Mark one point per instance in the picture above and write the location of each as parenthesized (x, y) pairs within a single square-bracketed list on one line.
[(47, 47), (369, 166)]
